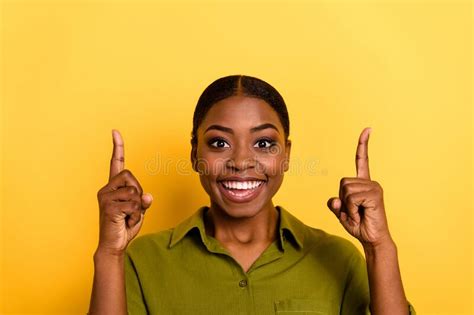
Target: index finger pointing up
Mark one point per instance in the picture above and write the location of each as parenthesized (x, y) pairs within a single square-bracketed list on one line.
[(362, 157), (118, 159)]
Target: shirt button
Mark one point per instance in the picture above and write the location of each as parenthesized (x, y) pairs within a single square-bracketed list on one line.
[(242, 283)]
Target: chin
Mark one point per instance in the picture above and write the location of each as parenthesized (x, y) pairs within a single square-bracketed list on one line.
[(240, 211)]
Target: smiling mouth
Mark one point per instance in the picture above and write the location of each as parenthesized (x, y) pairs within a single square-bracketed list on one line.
[(241, 191)]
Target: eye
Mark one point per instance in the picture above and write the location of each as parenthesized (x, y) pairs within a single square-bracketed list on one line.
[(264, 143), (219, 143)]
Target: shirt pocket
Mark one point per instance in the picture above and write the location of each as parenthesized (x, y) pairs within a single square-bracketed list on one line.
[(300, 307)]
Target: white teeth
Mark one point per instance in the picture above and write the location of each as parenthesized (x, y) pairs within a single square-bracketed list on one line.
[(242, 185)]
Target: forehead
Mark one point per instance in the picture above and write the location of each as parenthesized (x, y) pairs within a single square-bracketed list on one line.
[(241, 112)]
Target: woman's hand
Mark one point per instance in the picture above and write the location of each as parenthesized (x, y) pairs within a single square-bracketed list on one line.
[(122, 204), (360, 207)]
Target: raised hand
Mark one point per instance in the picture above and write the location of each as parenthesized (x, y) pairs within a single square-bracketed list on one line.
[(122, 203), (360, 207)]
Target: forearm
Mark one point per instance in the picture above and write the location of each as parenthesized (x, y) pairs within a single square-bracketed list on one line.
[(108, 290), (386, 289)]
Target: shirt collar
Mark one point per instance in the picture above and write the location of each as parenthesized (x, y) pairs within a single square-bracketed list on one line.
[(288, 224)]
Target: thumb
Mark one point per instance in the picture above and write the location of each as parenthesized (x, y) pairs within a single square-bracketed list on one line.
[(334, 204), (147, 199)]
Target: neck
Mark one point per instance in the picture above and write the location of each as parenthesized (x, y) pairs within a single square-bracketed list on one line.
[(245, 231)]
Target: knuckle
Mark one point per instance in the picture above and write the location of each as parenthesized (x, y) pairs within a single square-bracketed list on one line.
[(117, 158), (132, 190), (101, 191), (343, 190), (139, 188), (347, 188), (126, 172), (380, 189), (136, 205), (377, 186)]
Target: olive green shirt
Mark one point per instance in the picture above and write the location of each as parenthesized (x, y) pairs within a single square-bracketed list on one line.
[(183, 270)]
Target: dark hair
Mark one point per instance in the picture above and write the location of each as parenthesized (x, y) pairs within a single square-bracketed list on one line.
[(239, 85)]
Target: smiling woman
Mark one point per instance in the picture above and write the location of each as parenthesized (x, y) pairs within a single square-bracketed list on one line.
[(241, 153), (242, 254)]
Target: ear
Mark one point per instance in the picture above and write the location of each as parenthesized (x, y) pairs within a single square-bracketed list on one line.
[(194, 156), (287, 155)]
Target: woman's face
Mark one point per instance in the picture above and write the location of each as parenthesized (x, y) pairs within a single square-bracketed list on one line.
[(241, 155)]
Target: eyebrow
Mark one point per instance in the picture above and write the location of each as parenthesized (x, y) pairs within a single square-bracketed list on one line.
[(254, 129)]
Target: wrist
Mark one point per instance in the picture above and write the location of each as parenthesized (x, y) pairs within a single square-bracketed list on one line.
[(386, 245), (108, 254)]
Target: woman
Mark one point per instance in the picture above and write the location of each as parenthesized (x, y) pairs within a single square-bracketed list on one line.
[(242, 254)]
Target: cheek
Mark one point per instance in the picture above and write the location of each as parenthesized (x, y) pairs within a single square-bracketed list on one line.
[(272, 165), (207, 168), (210, 166)]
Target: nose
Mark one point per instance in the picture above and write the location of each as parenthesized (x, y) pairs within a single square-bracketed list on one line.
[(242, 158)]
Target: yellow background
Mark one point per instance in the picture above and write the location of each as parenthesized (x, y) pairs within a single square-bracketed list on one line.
[(72, 71)]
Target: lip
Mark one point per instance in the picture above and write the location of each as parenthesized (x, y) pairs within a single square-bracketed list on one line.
[(251, 195), (241, 179)]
